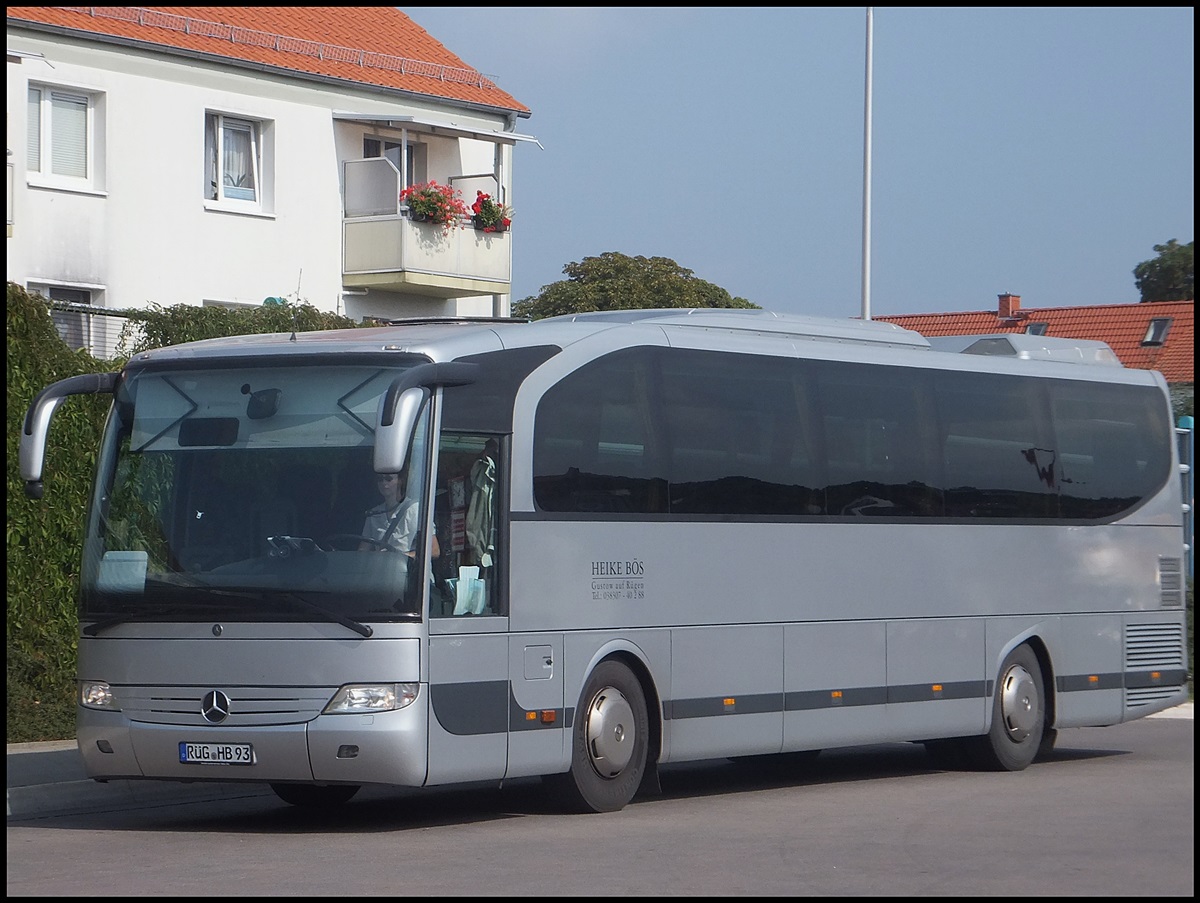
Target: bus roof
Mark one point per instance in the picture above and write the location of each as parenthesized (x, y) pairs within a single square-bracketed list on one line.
[(444, 339), (872, 332), (1030, 347)]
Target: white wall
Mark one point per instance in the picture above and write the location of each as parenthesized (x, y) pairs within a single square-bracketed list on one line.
[(145, 235)]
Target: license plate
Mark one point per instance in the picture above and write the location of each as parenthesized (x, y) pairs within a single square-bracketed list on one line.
[(216, 753)]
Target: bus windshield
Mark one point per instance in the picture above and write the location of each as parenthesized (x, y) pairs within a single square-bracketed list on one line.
[(249, 494)]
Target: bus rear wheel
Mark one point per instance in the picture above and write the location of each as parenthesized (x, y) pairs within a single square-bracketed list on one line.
[(1018, 716), (609, 743), (313, 796)]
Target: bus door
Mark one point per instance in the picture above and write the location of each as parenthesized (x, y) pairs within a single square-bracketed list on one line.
[(468, 693), (469, 656)]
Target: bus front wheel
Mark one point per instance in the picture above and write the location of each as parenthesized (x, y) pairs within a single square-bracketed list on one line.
[(1018, 716), (609, 742)]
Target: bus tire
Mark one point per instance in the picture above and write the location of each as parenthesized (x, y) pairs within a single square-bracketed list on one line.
[(609, 742), (1018, 716), (1046, 747), (315, 796)]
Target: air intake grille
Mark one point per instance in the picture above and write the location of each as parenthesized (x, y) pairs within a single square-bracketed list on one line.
[(1153, 647), (1153, 653), (249, 706), (1170, 582), (1146, 695)]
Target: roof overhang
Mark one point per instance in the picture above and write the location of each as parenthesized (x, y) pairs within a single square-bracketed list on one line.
[(435, 127)]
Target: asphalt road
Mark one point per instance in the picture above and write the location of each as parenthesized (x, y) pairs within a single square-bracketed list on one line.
[(1110, 813)]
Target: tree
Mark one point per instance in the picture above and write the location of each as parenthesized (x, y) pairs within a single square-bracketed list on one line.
[(616, 281), (1169, 277)]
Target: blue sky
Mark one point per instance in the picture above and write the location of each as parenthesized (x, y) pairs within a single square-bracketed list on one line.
[(1042, 152)]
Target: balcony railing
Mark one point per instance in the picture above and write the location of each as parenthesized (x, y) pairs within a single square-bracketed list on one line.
[(382, 248)]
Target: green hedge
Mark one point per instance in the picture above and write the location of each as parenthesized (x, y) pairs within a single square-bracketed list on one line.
[(45, 537)]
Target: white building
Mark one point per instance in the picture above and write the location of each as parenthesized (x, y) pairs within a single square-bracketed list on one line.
[(226, 155)]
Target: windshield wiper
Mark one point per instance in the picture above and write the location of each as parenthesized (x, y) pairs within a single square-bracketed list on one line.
[(94, 629), (338, 618)]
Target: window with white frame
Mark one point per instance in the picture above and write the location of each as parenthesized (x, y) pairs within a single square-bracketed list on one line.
[(74, 325), (60, 134), (233, 154)]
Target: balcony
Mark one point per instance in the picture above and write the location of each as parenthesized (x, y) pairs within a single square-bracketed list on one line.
[(383, 249)]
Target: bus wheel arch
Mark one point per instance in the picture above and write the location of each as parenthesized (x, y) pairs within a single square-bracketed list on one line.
[(1049, 698), (610, 740), (649, 783)]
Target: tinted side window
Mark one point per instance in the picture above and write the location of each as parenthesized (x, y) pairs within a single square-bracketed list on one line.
[(595, 446), (687, 432), (1113, 446), (998, 456), (735, 444), (878, 425)]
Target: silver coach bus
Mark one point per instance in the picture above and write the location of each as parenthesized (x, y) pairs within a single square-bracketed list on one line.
[(639, 537)]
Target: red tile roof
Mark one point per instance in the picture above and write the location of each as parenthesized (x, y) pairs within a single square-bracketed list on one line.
[(1122, 326), (374, 45)]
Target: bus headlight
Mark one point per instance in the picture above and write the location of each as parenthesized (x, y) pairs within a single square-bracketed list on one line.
[(354, 698), (96, 694)]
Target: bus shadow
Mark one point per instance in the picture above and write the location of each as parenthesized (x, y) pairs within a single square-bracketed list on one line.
[(384, 810), (838, 766), (722, 776)]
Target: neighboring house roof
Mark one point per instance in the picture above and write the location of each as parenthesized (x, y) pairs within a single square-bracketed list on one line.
[(1123, 326), (371, 45)]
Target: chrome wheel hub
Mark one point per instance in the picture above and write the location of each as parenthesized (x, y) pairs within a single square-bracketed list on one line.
[(610, 732), (1019, 705)]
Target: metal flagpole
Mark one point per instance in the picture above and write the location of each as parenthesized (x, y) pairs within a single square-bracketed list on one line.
[(866, 224)]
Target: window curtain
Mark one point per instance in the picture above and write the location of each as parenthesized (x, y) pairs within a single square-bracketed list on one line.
[(237, 149), (68, 128), (33, 133)]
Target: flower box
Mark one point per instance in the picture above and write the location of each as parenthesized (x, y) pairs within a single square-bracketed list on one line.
[(490, 216)]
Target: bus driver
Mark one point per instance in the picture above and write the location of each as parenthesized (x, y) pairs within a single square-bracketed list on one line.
[(392, 525)]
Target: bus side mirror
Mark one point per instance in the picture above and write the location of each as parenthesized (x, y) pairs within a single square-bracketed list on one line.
[(395, 425), (36, 429), (401, 404)]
